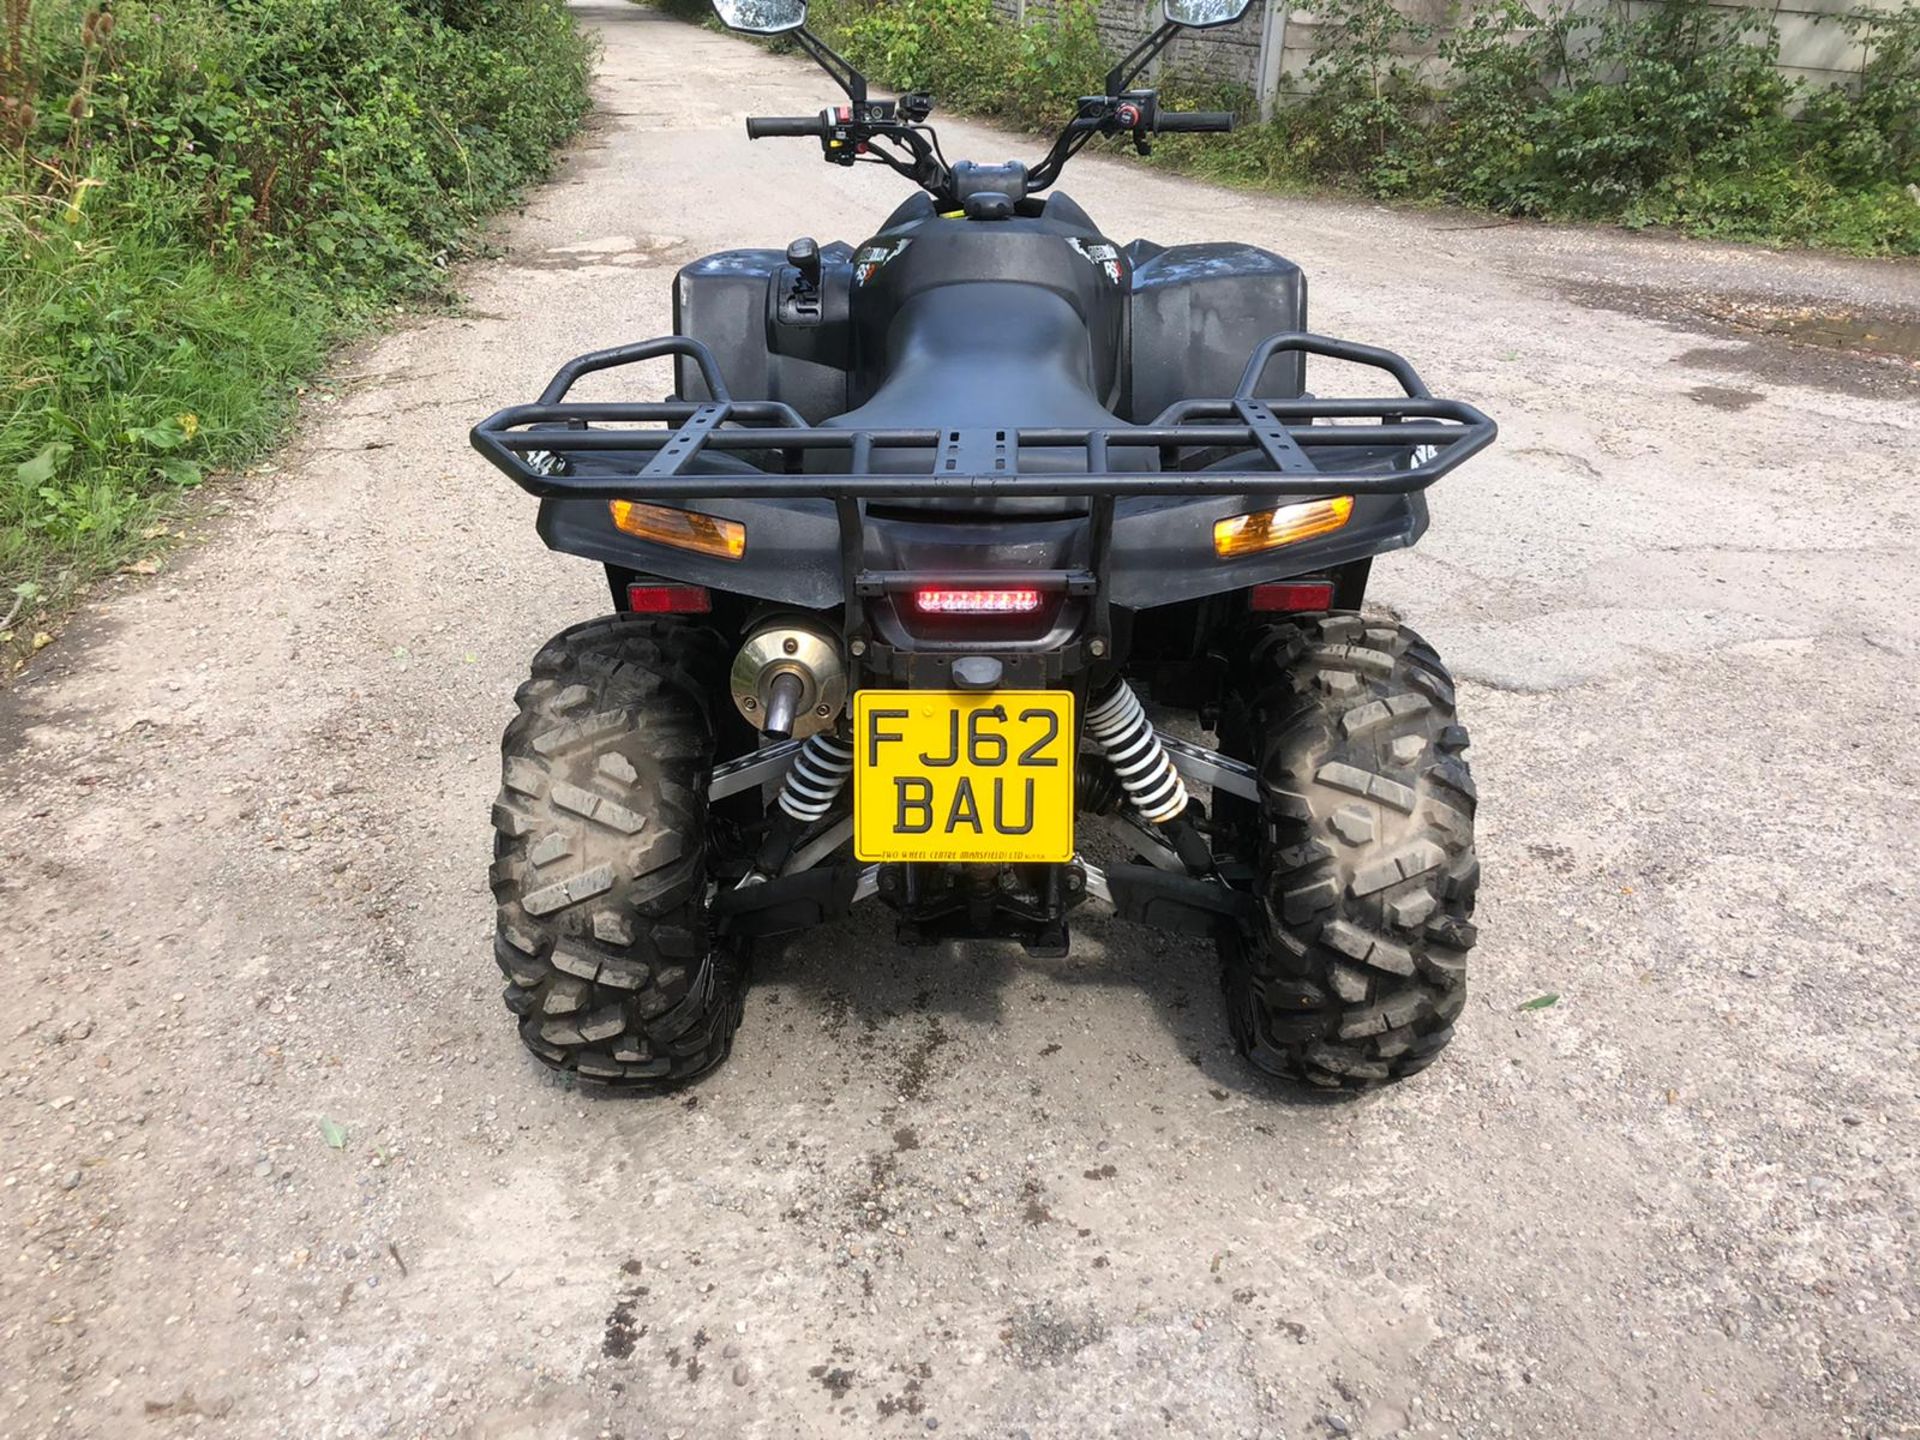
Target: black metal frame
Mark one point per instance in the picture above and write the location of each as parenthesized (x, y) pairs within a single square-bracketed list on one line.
[(837, 66), (972, 461), (975, 462)]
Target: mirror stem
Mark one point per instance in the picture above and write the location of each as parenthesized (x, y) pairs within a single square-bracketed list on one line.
[(843, 73), (1123, 75)]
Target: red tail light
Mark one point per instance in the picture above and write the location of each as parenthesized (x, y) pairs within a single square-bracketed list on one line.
[(1291, 595), (650, 599), (976, 602)]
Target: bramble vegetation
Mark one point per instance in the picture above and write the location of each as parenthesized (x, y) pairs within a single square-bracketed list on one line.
[(1668, 114), (197, 197), (973, 60)]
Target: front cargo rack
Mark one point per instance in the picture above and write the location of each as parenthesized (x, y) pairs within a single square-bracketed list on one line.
[(1247, 445)]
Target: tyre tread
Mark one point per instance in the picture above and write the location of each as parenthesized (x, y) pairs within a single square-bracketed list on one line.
[(599, 873), (1356, 969)]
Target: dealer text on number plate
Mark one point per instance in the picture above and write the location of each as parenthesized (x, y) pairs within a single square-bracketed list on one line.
[(970, 775)]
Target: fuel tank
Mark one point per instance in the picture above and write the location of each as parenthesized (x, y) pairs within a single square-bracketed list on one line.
[(1034, 320)]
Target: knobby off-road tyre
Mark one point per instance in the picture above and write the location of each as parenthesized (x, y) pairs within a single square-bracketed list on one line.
[(1356, 968), (600, 866)]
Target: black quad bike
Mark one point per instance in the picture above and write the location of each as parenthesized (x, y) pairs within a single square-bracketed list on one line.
[(891, 571)]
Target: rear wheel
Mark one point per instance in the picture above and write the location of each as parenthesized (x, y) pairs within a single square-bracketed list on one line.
[(1355, 969), (600, 867)]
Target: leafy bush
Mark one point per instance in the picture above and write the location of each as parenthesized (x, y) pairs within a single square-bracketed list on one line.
[(1555, 113), (1366, 100), (694, 12), (1873, 131), (973, 60), (196, 197)]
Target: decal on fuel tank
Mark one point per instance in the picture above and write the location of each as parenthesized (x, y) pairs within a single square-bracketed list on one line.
[(870, 258), (1102, 256)]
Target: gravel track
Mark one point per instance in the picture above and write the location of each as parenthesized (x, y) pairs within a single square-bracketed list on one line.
[(243, 849)]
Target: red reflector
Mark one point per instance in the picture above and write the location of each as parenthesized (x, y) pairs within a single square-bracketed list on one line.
[(976, 602), (1291, 595), (669, 599)]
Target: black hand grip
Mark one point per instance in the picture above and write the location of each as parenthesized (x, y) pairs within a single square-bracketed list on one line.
[(772, 127), (1174, 121)]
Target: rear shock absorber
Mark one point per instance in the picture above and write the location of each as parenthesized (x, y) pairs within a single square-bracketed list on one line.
[(817, 776), (1120, 727), (811, 789)]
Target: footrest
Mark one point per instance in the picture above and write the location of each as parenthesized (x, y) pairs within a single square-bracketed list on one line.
[(786, 903), (1179, 903)]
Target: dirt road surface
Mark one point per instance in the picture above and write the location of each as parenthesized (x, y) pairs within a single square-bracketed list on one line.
[(242, 858)]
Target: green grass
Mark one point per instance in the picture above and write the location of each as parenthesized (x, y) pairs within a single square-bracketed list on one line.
[(196, 202), (133, 367)]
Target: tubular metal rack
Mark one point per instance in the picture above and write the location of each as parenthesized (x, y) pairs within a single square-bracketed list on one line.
[(1261, 449), (978, 462)]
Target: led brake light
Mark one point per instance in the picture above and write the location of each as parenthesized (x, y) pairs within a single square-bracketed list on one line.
[(976, 602)]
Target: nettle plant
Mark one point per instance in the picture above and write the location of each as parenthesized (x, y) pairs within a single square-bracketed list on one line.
[(1365, 114)]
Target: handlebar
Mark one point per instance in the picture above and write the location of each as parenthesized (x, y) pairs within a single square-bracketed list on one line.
[(1174, 122), (796, 127), (847, 134)]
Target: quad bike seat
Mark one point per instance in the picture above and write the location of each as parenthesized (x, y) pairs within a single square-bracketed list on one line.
[(986, 355)]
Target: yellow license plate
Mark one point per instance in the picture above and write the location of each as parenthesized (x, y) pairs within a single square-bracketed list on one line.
[(969, 775)]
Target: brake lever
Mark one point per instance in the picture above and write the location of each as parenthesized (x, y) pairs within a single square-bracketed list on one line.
[(923, 168)]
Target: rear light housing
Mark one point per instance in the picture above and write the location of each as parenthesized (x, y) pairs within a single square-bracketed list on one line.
[(1291, 595), (652, 597), (682, 529), (951, 601), (1270, 529)]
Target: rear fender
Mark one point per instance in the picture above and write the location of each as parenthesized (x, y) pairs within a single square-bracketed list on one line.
[(1162, 551), (1167, 556), (792, 556)]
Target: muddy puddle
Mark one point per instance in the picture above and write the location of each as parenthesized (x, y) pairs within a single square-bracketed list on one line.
[(1894, 336), (1829, 347)]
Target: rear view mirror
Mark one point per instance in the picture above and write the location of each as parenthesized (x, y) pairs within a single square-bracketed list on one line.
[(1201, 14), (773, 17)]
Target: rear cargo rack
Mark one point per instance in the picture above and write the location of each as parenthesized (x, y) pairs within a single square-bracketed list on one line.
[(1282, 447), (1239, 446)]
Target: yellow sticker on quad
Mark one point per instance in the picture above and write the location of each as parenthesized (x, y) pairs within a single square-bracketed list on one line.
[(981, 776)]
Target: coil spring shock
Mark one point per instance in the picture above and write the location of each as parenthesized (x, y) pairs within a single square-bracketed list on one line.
[(1120, 727), (816, 778)]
